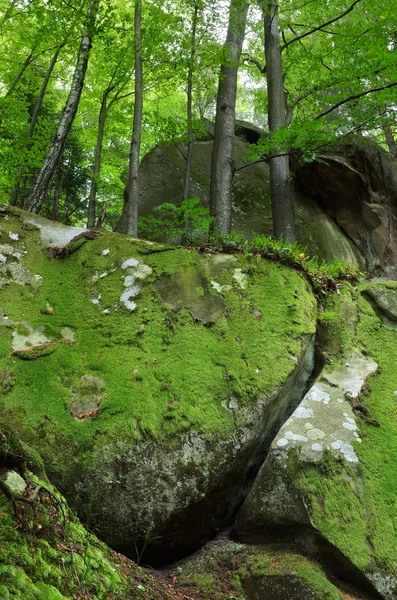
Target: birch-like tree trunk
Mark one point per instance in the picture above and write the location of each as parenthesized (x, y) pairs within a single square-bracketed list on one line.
[(51, 161), (133, 179), (35, 116), (280, 185), (222, 165), (189, 110), (97, 159)]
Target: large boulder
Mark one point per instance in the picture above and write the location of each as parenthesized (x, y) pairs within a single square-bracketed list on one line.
[(328, 482), (161, 180), (355, 183), (150, 379)]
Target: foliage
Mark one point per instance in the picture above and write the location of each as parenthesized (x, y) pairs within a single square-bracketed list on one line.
[(322, 274), (189, 220)]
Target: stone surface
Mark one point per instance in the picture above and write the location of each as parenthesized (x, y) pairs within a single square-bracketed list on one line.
[(161, 180), (192, 392), (320, 483), (356, 184), (223, 570), (384, 297)]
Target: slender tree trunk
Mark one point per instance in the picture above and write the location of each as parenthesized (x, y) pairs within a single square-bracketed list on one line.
[(33, 123), (97, 162), (50, 163), (25, 65), (280, 186), (390, 141), (222, 165), (189, 107), (57, 198), (133, 179)]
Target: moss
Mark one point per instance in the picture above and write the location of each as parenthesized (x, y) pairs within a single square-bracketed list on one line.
[(109, 345), (337, 322), (355, 508), (222, 571), (52, 557), (35, 351)]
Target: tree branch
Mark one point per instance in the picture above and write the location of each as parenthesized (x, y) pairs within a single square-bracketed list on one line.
[(355, 97), (251, 59), (303, 35)]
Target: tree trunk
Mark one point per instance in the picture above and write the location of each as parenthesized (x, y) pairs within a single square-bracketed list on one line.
[(97, 163), (33, 123), (133, 179), (222, 166), (57, 197), (390, 141), (50, 163), (25, 65), (189, 107), (280, 186)]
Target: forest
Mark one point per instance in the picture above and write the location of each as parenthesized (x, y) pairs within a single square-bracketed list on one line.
[(88, 88)]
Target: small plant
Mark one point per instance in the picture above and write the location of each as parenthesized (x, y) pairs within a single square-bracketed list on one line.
[(323, 275), (187, 221)]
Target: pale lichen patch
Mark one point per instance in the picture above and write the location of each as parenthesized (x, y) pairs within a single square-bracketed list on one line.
[(331, 418)]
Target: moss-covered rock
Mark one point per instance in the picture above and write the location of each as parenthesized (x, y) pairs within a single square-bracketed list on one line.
[(227, 570), (328, 479), (46, 554), (189, 380)]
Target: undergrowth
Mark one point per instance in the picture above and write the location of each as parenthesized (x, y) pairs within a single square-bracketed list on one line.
[(322, 275)]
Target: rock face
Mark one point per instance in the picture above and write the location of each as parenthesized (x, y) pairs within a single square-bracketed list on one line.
[(356, 185), (162, 171), (159, 400), (321, 484)]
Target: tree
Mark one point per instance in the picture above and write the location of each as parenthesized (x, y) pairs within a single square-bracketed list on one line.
[(282, 207), (222, 167), (133, 172), (47, 171)]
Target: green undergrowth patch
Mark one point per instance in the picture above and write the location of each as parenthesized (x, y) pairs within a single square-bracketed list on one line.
[(48, 555), (221, 571), (323, 275)]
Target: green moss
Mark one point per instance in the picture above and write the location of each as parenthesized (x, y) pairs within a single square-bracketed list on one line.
[(337, 322), (355, 508), (52, 557), (171, 346), (222, 570)]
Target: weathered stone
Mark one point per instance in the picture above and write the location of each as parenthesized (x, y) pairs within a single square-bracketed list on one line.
[(318, 486), (355, 182), (193, 394), (161, 180)]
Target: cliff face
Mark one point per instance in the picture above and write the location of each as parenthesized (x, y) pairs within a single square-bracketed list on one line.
[(153, 382)]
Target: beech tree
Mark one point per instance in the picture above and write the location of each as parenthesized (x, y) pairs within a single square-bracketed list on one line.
[(47, 171), (333, 73), (282, 207), (222, 166)]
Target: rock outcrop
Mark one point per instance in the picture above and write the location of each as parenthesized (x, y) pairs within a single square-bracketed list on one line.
[(161, 180), (142, 377), (355, 183), (323, 484), (153, 383)]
